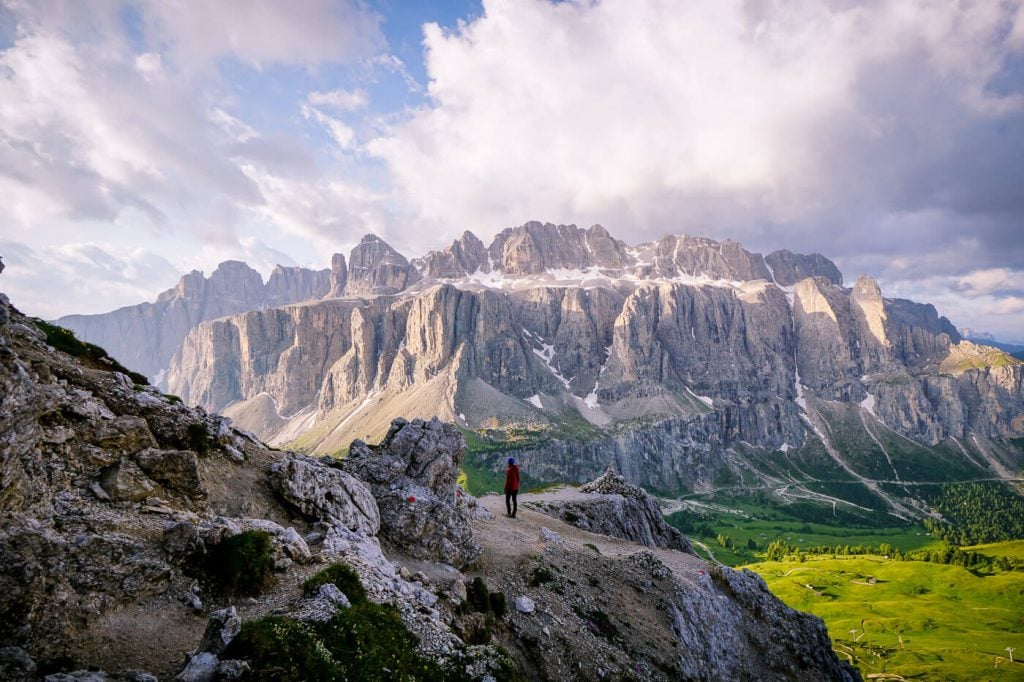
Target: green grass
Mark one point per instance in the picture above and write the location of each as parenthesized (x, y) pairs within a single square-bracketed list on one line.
[(476, 476), (341, 576), (65, 340), (1013, 549), (365, 642), (987, 358), (952, 623), (743, 520)]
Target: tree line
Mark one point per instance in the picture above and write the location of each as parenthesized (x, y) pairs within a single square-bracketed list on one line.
[(975, 513), (780, 550)]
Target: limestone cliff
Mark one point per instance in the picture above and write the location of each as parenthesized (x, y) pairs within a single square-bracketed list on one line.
[(145, 336)]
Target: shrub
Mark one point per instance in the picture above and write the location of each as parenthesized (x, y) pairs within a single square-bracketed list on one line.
[(539, 576), (592, 546), (283, 649), (365, 642), (341, 576), (497, 602), (65, 340), (198, 438), (477, 595), (241, 564)]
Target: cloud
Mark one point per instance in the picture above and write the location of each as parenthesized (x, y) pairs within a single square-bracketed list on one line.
[(1010, 305), (310, 32), (992, 281), (340, 132), (887, 134), (85, 134), (90, 277), (775, 123), (343, 100), (120, 122)]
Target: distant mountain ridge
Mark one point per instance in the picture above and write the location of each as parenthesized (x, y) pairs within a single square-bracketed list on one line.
[(689, 363), (989, 339), (145, 336)]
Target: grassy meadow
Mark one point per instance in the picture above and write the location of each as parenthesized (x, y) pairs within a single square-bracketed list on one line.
[(909, 618), (748, 527)]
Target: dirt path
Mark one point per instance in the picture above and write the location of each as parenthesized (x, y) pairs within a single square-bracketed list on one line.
[(505, 541)]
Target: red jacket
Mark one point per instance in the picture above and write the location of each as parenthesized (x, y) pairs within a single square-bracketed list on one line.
[(512, 478)]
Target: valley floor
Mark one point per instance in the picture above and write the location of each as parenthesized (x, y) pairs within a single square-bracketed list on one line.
[(913, 619)]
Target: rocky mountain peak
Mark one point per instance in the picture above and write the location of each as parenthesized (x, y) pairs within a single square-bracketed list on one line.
[(339, 276), (788, 268), (144, 337), (869, 307), (375, 268), (289, 284), (465, 256), (535, 247)]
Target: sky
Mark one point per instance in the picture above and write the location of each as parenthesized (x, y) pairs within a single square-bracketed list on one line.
[(141, 139)]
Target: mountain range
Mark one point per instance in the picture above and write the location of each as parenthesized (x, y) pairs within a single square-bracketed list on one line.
[(691, 364)]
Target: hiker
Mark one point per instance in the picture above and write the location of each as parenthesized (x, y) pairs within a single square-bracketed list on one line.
[(511, 488)]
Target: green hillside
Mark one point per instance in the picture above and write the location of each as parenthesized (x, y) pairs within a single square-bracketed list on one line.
[(914, 619), (1013, 549)]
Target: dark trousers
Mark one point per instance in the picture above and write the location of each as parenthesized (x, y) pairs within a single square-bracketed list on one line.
[(511, 503)]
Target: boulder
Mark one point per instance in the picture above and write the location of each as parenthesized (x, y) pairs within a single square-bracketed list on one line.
[(223, 626), (524, 604), (413, 474), (611, 505), (323, 492), (178, 470), (125, 481)]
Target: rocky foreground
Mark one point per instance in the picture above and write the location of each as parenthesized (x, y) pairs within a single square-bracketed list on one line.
[(154, 541)]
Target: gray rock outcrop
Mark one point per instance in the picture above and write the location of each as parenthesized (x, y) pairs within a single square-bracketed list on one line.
[(325, 492), (611, 505), (412, 474), (339, 276)]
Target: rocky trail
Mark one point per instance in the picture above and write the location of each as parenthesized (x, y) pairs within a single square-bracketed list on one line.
[(506, 539)]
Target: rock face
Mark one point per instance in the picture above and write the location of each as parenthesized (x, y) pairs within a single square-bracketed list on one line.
[(465, 256), (412, 473), (788, 268), (375, 268), (325, 492), (339, 276), (145, 336), (610, 505)]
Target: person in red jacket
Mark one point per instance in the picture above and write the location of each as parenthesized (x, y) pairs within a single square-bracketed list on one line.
[(512, 487)]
